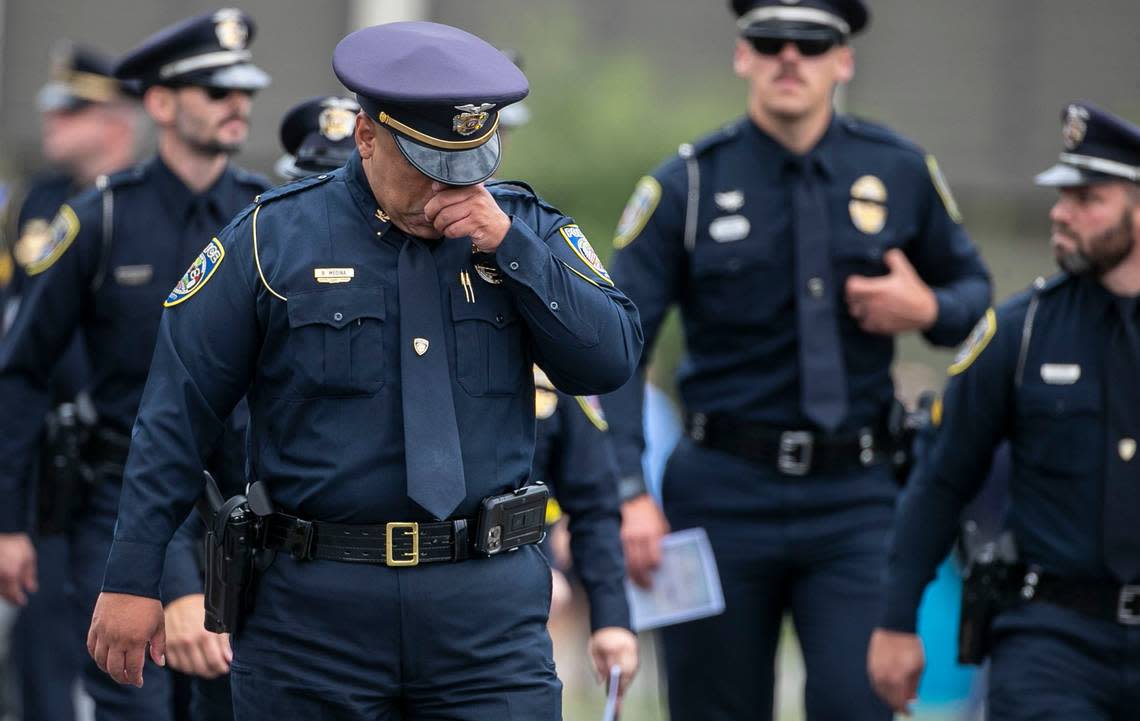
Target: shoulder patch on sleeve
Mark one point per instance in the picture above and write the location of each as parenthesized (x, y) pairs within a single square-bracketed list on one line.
[(200, 271), (638, 211), (61, 234), (943, 189), (979, 338), (576, 239), (592, 407)]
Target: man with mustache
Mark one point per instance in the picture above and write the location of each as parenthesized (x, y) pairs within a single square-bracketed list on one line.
[(113, 253), (1056, 371), (797, 242)]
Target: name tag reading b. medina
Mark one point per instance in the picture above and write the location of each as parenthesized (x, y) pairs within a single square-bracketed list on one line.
[(334, 275)]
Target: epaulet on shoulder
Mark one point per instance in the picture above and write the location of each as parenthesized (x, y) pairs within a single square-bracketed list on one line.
[(1044, 286), (879, 133), (296, 186), (128, 176), (518, 188), (702, 145), (1016, 304)]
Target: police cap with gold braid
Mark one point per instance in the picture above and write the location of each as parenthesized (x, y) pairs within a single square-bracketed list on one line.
[(801, 19), (437, 89), (210, 50), (80, 76)]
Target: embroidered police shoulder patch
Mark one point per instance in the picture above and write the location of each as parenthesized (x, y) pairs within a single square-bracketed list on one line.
[(61, 234), (637, 211), (200, 271), (582, 248), (979, 338)]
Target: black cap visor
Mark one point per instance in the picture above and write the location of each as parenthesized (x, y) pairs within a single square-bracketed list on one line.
[(785, 30), (243, 76), (453, 167), (1063, 175)]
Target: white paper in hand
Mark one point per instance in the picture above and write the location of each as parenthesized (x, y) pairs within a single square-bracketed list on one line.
[(610, 713), (686, 586)]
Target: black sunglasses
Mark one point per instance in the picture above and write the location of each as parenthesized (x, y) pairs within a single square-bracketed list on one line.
[(808, 47), (217, 94)]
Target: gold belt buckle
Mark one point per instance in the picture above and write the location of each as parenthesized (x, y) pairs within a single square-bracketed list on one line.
[(407, 528)]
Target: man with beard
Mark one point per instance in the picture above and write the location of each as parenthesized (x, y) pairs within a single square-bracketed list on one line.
[(112, 255), (797, 243), (1056, 371)]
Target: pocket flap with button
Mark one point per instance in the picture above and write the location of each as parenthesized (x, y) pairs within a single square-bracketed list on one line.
[(335, 307), (495, 308)]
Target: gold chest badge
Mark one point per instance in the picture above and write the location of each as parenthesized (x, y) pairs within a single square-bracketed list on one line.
[(868, 205)]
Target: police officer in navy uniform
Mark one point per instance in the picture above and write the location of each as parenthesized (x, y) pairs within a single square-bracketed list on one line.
[(390, 394), (112, 255), (1055, 371), (89, 128), (797, 242), (317, 136), (573, 455)]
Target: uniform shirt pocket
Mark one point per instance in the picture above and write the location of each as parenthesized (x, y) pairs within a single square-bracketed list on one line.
[(488, 343), (1062, 425), (336, 341)]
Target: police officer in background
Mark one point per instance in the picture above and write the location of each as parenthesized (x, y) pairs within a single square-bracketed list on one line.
[(1056, 371), (391, 402), (113, 253), (317, 136), (797, 242), (89, 128)]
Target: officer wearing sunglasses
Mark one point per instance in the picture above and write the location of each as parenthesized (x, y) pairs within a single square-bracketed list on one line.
[(797, 243), (111, 256)]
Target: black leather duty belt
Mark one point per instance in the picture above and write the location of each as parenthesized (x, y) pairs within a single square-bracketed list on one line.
[(1098, 599), (793, 453), (395, 544)]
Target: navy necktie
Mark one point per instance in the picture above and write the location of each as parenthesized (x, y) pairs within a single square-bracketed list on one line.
[(823, 378), (1122, 467), (431, 435)]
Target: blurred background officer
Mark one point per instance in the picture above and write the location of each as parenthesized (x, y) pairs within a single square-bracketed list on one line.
[(112, 254), (369, 404), (90, 126), (317, 136), (798, 243), (574, 457), (1056, 371)]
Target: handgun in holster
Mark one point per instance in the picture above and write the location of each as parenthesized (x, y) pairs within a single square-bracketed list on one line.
[(907, 428), (65, 478), (231, 547), (990, 582)]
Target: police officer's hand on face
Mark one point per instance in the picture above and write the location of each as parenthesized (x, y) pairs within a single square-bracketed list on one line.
[(190, 648), (121, 628), (470, 211), (611, 647), (642, 527), (17, 567), (895, 662), (893, 303)]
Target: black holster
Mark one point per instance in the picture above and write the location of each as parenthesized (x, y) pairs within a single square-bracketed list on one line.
[(65, 478), (906, 430), (233, 534), (988, 588)]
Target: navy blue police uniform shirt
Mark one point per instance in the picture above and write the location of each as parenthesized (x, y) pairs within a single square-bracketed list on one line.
[(46, 194), (297, 301), (1047, 398), (574, 457), (734, 279), (111, 292)]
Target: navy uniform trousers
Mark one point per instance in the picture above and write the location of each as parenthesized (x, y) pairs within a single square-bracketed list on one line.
[(814, 546), (465, 627), (1055, 664)]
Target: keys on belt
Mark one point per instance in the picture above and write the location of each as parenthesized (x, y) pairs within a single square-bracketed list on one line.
[(793, 453)]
